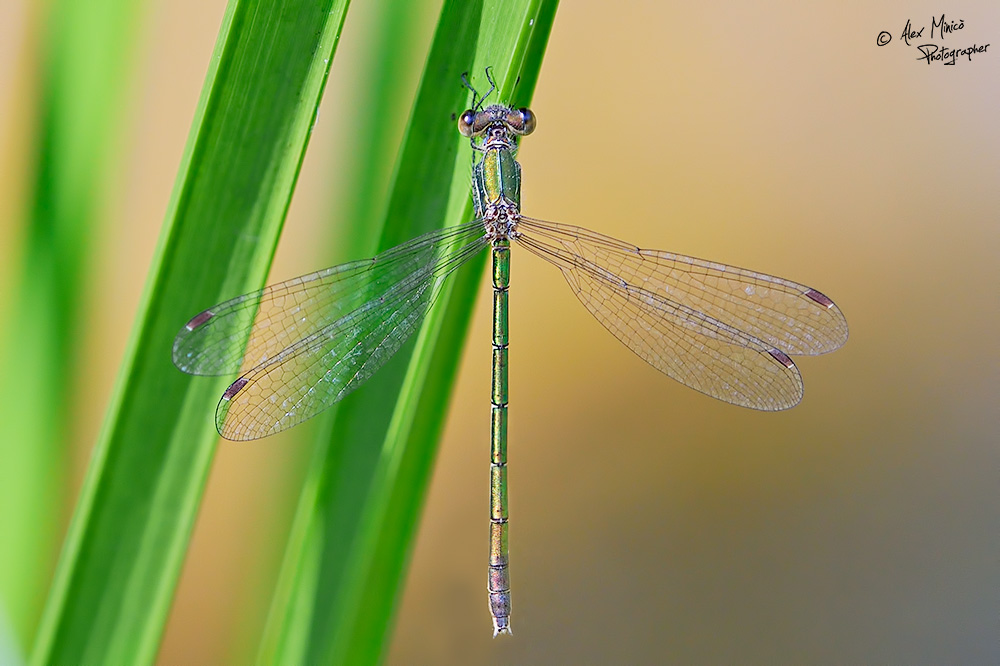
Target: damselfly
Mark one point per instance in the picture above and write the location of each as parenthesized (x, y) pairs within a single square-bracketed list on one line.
[(302, 345)]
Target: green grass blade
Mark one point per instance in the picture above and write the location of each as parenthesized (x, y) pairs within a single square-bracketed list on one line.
[(87, 49), (374, 107), (357, 516), (128, 536)]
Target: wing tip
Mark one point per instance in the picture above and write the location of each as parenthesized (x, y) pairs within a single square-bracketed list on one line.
[(181, 355), (199, 320), (820, 298), (781, 357), (234, 388), (222, 411)]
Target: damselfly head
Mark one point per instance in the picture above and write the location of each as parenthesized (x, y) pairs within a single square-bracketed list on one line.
[(473, 124)]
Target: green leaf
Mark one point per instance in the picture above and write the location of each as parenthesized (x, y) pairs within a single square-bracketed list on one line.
[(86, 54), (130, 530), (357, 516)]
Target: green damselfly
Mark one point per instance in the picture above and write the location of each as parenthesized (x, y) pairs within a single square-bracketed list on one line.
[(302, 345)]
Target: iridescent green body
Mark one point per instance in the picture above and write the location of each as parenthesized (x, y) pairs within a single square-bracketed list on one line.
[(496, 181), (496, 192), (499, 575)]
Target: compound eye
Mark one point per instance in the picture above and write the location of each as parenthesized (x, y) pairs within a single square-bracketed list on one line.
[(521, 121), (466, 124)]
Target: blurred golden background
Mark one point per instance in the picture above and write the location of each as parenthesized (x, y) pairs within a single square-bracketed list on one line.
[(649, 524)]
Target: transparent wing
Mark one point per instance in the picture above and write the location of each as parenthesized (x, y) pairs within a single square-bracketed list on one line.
[(721, 330), (249, 330), (310, 341)]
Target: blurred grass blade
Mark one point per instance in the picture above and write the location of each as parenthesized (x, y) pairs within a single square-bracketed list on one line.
[(380, 101), (128, 536), (357, 516), (86, 58)]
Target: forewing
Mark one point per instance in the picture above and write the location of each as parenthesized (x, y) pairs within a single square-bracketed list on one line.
[(251, 330), (788, 316)]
